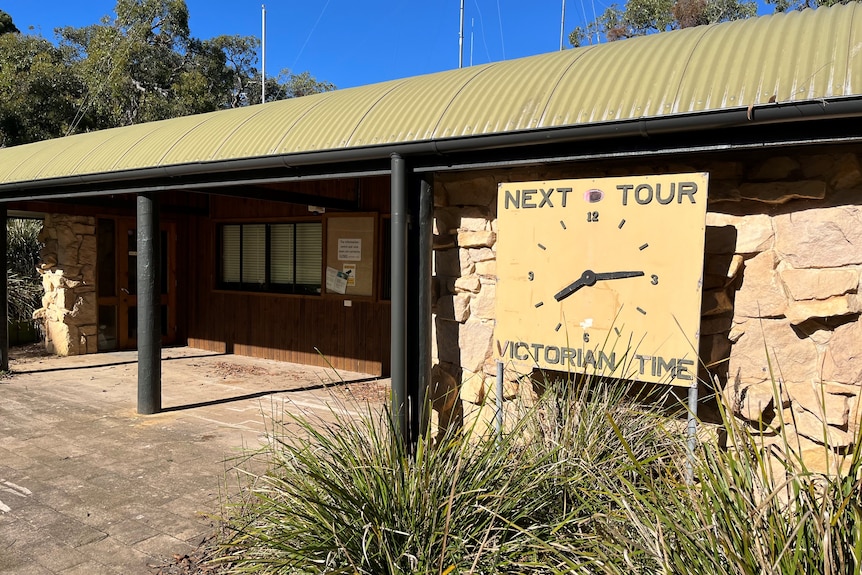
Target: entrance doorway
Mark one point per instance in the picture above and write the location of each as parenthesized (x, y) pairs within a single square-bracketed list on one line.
[(117, 255)]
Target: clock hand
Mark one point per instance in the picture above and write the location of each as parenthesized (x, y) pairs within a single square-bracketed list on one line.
[(589, 278)]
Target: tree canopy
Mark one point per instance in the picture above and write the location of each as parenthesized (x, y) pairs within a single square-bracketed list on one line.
[(138, 65), (642, 17)]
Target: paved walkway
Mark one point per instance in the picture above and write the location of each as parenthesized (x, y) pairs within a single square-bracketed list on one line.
[(87, 486)]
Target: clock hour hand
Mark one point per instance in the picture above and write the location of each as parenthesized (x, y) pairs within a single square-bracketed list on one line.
[(589, 278)]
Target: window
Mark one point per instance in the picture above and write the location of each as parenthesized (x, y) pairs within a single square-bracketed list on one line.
[(283, 257)]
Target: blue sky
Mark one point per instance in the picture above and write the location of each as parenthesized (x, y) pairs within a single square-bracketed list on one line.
[(352, 42)]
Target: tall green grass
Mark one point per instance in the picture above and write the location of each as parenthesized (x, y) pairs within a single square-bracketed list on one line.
[(589, 481)]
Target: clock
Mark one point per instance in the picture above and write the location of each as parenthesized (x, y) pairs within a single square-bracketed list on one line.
[(602, 276)]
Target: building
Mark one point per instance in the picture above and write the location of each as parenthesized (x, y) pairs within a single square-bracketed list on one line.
[(260, 208)]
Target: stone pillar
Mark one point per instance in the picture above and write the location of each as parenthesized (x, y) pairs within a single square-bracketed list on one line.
[(68, 269)]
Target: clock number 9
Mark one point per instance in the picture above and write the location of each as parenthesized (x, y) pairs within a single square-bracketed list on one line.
[(592, 217), (654, 280)]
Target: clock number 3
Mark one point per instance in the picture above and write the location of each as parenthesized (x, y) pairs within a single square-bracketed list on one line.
[(654, 280), (592, 217)]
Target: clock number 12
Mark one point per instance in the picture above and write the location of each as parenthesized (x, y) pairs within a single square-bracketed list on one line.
[(592, 217)]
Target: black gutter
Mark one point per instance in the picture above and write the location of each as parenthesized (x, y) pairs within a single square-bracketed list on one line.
[(760, 115)]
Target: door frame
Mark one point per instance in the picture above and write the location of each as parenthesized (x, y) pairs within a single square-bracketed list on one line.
[(124, 300)]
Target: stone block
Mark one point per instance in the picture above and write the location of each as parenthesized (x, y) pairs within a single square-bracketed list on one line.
[(473, 387), (846, 173), (754, 232), (820, 238), (842, 361), (483, 304), (811, 426), (829, 402), (474, 340), (484, 254), (801, 311), (761, 293), (783, 192), (773, 344), (468, 239), (474, 219), (487, 268), (806, 284), (466, 265), (470, 284)]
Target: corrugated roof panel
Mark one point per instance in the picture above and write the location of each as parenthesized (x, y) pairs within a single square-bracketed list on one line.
[(790, 56), (411, 112), (506, 96), (202, 142), (261, 133), (329, 125), (623, 80), (797, 56), (152, 147)]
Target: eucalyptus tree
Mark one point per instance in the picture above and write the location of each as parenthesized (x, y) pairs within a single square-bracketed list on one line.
[(38, 91), (642, 17)]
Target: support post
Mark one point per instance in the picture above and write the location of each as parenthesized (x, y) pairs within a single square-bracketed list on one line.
[(4, 294), (691, 431), (149, 305), (420, 252), (398, 297)]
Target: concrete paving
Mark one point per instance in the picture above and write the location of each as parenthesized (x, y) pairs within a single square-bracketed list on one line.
[(88, 486)]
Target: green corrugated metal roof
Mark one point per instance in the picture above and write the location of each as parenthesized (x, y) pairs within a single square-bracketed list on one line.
[(794, 57)]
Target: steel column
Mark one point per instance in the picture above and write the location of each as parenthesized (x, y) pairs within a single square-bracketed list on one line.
[(398, 336), (4, 294), (419, 250), (149, 334)]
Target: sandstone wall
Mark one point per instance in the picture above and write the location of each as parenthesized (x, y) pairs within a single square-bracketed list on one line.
[(68, 268), (781, 273)]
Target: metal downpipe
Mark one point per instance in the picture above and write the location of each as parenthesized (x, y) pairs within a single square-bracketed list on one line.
[(398, 336)]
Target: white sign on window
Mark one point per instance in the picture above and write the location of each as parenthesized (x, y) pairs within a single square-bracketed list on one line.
[(350, 249)]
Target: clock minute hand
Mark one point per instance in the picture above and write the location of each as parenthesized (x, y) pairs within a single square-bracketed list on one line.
[(589, 278)]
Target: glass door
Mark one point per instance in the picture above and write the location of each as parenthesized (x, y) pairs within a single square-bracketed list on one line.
[(117, 289)]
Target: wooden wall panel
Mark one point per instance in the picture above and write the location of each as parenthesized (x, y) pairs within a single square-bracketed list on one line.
[(274, 326)]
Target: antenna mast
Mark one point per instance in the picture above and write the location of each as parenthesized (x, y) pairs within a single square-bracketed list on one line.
[(263, 54), (461, 39), (562, 25)]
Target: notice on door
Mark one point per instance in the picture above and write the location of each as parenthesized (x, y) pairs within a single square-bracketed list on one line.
[(350, 249)]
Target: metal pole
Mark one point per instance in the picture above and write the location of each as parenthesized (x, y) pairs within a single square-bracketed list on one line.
[(499, 399), (149, 306), (4, 294), (692, 430), (562, 25), (461, 39), (426, 255), (398, 296), (263, 54)]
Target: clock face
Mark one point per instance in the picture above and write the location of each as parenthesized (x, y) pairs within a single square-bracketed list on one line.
[(602, 276)]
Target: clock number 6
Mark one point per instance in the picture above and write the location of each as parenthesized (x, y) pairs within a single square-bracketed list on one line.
[(586, 337), (654, 280), (592, 217)]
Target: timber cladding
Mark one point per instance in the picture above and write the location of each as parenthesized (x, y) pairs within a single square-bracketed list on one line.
[(342, 331)]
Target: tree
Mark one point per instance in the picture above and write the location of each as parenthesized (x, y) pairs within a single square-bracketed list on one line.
[(787, 5), (140, 65), (6, 24), (642, 17), (38, 91)]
